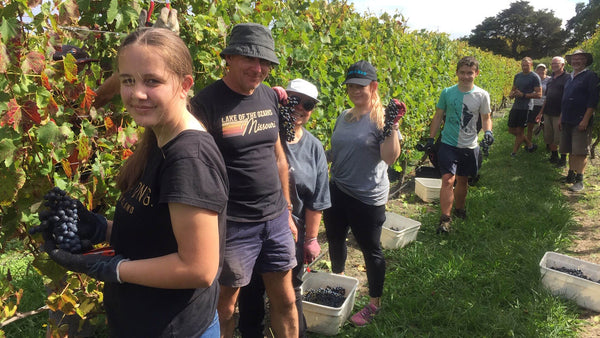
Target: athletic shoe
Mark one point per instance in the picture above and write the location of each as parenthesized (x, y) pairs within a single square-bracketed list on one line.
[(561, 163), (460, 213), (445, 224), (513, 155), (364, 316), (576, 187), (532, 148)]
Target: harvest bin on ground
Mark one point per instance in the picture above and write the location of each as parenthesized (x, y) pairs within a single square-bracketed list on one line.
[(428, 189), (323, 319), (584, 292), (398, 231)]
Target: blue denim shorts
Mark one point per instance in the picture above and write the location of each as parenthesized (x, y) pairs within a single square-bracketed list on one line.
[(214, 330), (265, 246)]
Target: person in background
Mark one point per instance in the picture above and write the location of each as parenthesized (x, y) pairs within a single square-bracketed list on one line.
[(540, 70), (526, 86), (168, 228), (360, 154), (550, 110), (460, 107), (579, 101), (309, 191), (242, 115)]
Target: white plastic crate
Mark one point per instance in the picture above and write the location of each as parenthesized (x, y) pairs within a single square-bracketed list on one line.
[(428, 189), (584, 292), (398, 231), (323, 319)]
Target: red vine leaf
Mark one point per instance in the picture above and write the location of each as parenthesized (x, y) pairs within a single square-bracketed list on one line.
[(30, 115), (12, 116), (46, 81), (34, 63), (88, 99)]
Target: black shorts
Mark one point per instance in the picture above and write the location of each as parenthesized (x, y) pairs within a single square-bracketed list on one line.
[(517, 118), (532, 114), (458, 161)]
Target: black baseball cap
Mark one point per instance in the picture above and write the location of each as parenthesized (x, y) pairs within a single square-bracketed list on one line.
[(361, 73), (79, 54)]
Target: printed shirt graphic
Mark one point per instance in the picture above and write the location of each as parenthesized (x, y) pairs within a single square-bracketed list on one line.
[(245, 128), (462, 112)]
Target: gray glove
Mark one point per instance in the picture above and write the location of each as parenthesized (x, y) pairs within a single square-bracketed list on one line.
[(166, 19)]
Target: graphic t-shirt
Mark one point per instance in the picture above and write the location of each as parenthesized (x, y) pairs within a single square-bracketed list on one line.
[(189, 170), (462, 112), (245, 128)]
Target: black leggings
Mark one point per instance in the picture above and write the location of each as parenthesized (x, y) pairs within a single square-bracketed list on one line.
[(365, 222)]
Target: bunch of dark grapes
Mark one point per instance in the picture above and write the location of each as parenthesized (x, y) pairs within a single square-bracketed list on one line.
[(575, 272), (287, 119), (393, 112), (60, 219), (332, 297)]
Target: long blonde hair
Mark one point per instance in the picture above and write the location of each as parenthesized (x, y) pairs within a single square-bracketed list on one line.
[(177, 57)]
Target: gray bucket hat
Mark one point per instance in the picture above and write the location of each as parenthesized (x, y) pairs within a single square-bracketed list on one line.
[(588, 56), (251, 39)]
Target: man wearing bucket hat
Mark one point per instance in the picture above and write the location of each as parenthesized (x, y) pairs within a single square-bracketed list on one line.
[(580, 99), (310, 195), (242, 115)]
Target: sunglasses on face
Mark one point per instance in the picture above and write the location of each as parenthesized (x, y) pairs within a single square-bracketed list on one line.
[(308, 105)]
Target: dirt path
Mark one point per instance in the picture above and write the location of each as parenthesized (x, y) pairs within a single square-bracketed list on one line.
[(586, 243)]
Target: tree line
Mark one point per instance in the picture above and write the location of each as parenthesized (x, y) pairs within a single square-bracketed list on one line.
[(520, 30)]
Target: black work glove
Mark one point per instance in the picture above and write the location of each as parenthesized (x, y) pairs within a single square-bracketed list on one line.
[(91, 226), (488, 137), (429, 145), (103, 268)]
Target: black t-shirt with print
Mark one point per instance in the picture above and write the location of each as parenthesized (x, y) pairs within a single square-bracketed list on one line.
[(189, 170), (245, 129)]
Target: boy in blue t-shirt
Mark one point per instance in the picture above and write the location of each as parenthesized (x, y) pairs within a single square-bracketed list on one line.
[(460, 107)]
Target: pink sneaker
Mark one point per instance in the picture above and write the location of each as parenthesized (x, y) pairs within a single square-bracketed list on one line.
[(364, 316)]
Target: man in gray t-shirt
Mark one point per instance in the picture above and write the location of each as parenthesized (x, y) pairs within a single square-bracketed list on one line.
[(526, 86)]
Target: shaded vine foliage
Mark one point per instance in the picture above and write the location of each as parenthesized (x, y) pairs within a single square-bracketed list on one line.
[(51, 135)]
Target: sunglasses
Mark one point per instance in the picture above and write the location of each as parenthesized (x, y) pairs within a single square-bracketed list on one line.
[(308, 105)]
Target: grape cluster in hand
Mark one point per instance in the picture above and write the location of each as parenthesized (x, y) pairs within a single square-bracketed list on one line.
[(287, 119), (393, 112), (575, 272), (60, 220), (332, 297)]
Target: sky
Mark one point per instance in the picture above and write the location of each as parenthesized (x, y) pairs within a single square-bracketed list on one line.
[(456, 17)]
